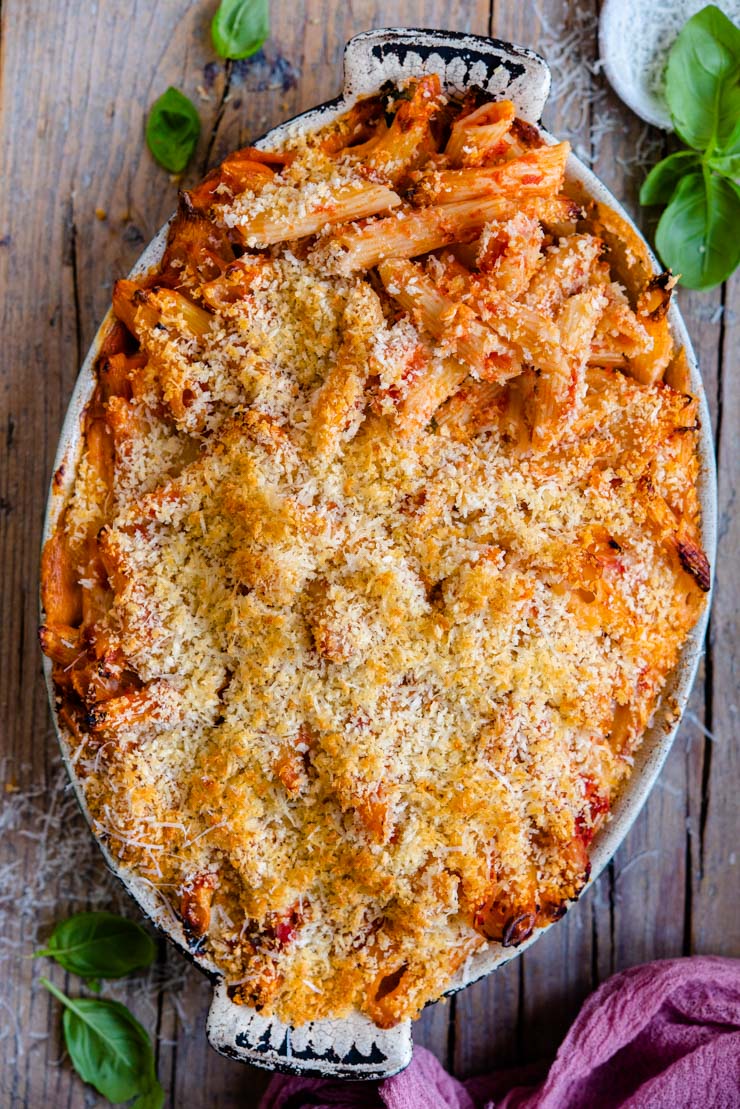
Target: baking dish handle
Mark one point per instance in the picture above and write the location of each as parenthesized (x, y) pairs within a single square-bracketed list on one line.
[(499, 68), (352, 1047)]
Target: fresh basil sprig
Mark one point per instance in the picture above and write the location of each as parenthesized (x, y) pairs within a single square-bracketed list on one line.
[(172, 130), (240, 27), (697, 234), (99, 945), (109, 1049), (703, 80), (699, 230)]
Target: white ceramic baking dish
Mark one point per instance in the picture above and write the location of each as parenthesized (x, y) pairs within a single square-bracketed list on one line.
[(353, 1047)]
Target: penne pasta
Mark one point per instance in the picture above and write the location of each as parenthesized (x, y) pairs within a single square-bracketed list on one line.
[(143, 309), (97, 596), (557, 397), (354, 201), (235, 283), (355, 128), (620, 334), (536, 173), (515, 418), (411, 233), (170, 329), (409, 135), (61, 594), (132, 708), (536, 337), (338, 407), (244, 170), (677, 374), (440, 380), (606, 358), (478, 134), (61, 643), (126, 425), (679, 534), (451, 323), (117, 373), (362, 150), (477, 406), (99, 444), (509, 253), (171, 310), (403, 236), (564, 270), (196, 250), (648, 366)]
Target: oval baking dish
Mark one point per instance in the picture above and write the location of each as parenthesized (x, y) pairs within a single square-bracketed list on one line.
[(354, 1047)]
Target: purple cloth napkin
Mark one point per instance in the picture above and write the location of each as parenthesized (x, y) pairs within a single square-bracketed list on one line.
[(661, 1036)]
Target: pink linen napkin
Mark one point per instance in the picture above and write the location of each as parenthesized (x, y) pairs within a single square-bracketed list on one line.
[(661, 1036)]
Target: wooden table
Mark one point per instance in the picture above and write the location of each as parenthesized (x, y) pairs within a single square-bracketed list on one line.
[(80, 196)]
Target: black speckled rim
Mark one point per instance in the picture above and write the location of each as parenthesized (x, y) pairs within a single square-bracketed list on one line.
[(352, 1048)]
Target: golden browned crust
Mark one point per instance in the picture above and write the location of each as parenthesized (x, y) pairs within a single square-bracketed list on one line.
[(370, 580)]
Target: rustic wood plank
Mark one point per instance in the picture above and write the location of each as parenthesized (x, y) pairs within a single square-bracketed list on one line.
[(715, 928), (703, 313), (41, 347), (435, 1027)]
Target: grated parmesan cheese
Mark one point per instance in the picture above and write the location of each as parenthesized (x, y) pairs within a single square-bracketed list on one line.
[(383, 683)]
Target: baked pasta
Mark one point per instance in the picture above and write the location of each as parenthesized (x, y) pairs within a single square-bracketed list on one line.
[(383, 541)]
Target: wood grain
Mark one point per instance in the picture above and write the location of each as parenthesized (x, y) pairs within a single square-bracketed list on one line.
[(76, 84)]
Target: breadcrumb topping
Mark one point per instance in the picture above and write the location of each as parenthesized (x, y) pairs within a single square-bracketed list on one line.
[(379, 679)]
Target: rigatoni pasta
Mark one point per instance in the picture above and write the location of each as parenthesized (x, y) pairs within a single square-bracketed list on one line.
[(383, 542)]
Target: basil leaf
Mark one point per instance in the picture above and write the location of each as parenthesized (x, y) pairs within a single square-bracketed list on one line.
[(172, 130), (660, 184), (703, 79), (240, 27), (152, 1099), (109, 1048), (726, 160), (728, 165), (697, 234), (100, 945)]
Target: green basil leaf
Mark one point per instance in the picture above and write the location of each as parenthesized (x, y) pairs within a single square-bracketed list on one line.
[(172, 130), (100, 945), (240, 27), (108, 1048), (726, 159), (726, 164), (697, 234), (153, 1098), (703, 79), (660, 184)]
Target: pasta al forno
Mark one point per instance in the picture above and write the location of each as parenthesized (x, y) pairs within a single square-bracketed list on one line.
[(383, 543)]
